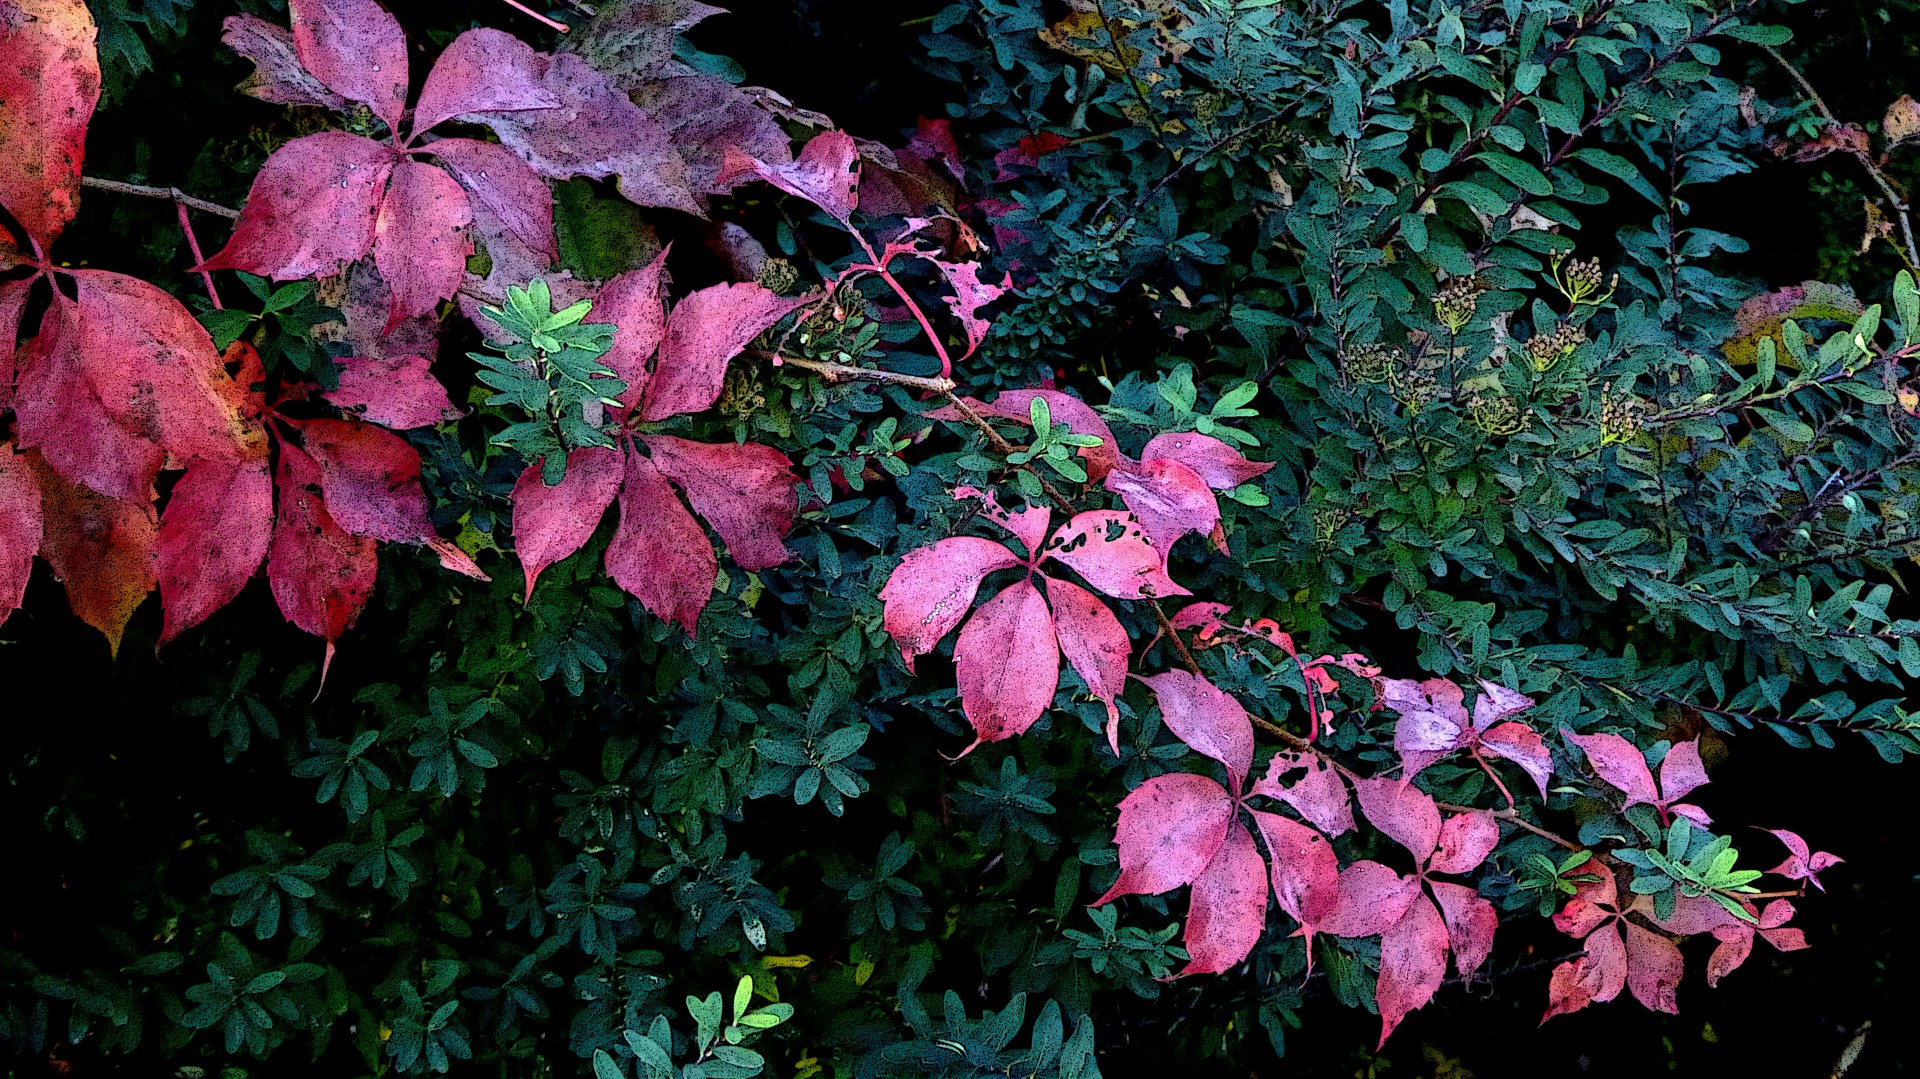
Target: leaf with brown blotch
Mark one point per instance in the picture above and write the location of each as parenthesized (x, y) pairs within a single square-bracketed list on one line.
[(49, 85)]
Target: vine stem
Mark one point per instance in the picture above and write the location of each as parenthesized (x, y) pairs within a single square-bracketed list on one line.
[(523, 9), (193, 246), (840, 372), (172, 193)]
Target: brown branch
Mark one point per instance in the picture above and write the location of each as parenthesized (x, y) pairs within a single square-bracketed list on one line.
[(173, 193), (839, 372)]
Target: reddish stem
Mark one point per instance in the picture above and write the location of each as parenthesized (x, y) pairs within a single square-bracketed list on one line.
[(878, 265), (1491, 774), (532, 14), (193, 245)]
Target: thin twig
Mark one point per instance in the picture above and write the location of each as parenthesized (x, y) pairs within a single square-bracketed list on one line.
[(532, 14), (839, 372), (173, 193), (193, 246)]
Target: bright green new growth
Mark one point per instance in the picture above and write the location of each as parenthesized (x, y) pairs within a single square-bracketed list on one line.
[(551, 371)]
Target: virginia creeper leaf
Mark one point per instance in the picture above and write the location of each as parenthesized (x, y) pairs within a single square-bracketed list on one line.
[(550, 523), (213, 537), (1109, 549), (20, 527), (1208, 721), (1221, 466), (321, 574), (1413, 963), (1170, 827), (1320, 795), (482, 70), (371, 478), (101, 548), (1801, 863), (1007, 663), (1228, 907), (49, 85), (932, 590), (744, 490), (1168, 499), (659, 553), (511, 203), (312, 208), (1095, 643), (400, 393), (277, 75), (420, 239), (357, 50), (824, 174), (633, 302), (705, 330)]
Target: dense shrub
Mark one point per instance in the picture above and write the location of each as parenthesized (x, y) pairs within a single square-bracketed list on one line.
[(759, 599)]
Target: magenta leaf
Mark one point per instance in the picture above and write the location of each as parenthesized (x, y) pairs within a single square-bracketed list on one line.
[(1495, 703), (968, 294), (483, 70), (744, 490), (659, 553), (1801, 862), (277, 76), (312, 209), (1413, 963), (1110, 551), (511, 204), (1433, 720), (1522, 745), (420, 239), (20, 528), (634, 302), (1221, 466), (1370, 900), (550, 523), (1620, 763), (1471, 922), (212, 538), (321, 574), (1465, 841), (1028, 525), (1406, 814), (1228, 907), (1094, 642), (58, 412), (1170, 828), (705, 330), (1681, 771), (1007, 663), (1319, 795), (371, 478), (1064, 408), (1169, 499), (824, 174), (1654, 968), (356, 49), (1208, 721), (932, 590), (400, 393), (1306, 872)]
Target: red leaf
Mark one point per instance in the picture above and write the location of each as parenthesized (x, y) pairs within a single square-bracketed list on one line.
[(1208, 721), (744, 490), (1654, 968), (1413, 963), (1170, 828), (1320, 795), (20, 528), (1007, 663), (1169, 500), (511, 203), (320, 573), (1471, 922), (58, 412), (1108, 548), (596, 131), (659, 553), (1027, 153), (1306, 873), (967, 295), (213, 538), (100, 547), (824, 174), (1571, 987), (1800, 863), (483, 70), (1094, 642), (277, 75), (1228, 906), (634, 302), (49, 85), (400, 393), (371, 478), (705, 330), (1406, 814), (420, 239), (13, 303), (357, 50), (1465, 841), (1220, 465), (932, 590), (550, 523), (1371, 899), (312, 208)]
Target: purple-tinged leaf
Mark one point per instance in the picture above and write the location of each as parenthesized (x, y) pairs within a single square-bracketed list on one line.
[(1220, 465), (1471, 922), (1168, 499), (1371, 899), (824, 174), (356, 49), (1413, 963), (1495, 703), (744, 490), (400, 393), (1319, 795), (420, 239), (705, 330), (1095, 644), (659, 553), (312, 209), (1620, 763), (277, 75), (1522, 745), (507, 196), (1208, 721), (1433, 721), (371, 478), (483, 70), (1802, 863), (1681, 771), (1406, 814), (1465, 841), (1306, 872)]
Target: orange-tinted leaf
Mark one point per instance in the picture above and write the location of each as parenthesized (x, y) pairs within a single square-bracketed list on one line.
[(100, 547), (49, 85)]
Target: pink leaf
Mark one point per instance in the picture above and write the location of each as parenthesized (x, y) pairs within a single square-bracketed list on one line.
[(20, 528), (1108, 549), (1471, 922), (507, 196), (932, 590), (1413, 963), (597, 131), (483, 70), (320, 573), (1169, 500), (659, 553), (1433, 721), (550, 523), (1495, 703), (705, 330), (967, 295), (744, 490), (277, 75), (213, 537), (49, 83), (1371, 899), (634, 303), (1306, 873), (1654, 968), (371, 478), (1406, 814), (1619, 763), (1028, 525), (1228, 907), (13, 303), (312, 208), (420, 239), (1734, 948), (400, 393), (824, 174), (1320, 795), (1801, 864), (58, 412), (1094, 642), (1681, 771), (1007, 663), (1465, 841), (356, 49), (1208, 721), (1220, 465), (1523, 746), (1170, 828)]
